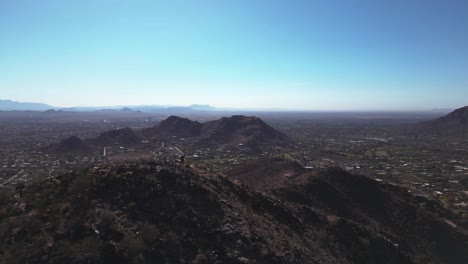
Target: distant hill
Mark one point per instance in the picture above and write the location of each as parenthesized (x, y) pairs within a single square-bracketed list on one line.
[(124, 137), (8, 105), (158, 213), (53, 111), (72, 145), (240, 129), (227, 130), (126, 109), (235, 130)]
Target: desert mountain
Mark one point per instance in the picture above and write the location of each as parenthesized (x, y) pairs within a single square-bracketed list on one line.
[(240, 130), (459, 115), (227, 130), (454, 122), (174, 126), (156, 213), (423, 230), (71, 145), (124, 137)]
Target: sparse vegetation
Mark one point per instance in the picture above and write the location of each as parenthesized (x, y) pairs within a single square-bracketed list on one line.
[(81, 184), (192, 215)]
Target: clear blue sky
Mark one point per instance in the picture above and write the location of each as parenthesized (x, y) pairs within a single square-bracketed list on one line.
[(318, 55)]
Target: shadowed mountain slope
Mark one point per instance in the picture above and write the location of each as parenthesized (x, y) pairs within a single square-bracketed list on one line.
[(424, 230), (71, 145), (457, 117), (453, 123), (234, 130), (240, 130), (174, 126), (124, 137)]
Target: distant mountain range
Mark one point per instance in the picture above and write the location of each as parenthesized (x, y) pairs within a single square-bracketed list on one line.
[(9, 105)]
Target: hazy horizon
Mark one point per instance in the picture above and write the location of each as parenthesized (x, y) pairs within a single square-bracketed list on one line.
[(301, 55), (215, 108)]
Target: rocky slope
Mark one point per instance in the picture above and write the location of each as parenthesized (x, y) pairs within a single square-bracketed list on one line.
[(455, 122), (458, 116), (423, 230), (155, 213)]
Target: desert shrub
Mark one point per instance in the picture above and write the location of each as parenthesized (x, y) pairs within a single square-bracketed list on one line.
[(20, 227), (4, 197), (87, 250), (76, 224), (23, 251), (364, 241), (108, 220), (172, 243), (150, 233), (14, 254), (82, 183), (463, 181), (465, 215), (132, 246), (200, 259), (132, 206)]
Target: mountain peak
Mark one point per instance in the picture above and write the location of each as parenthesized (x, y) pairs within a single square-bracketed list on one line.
[(174, 126), (239, 129)]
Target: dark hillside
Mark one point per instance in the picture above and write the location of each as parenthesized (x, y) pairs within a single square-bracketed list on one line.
[(454, 123), (173, 126), (72, 146), (240, 130), (425, 230), (150, 213)]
